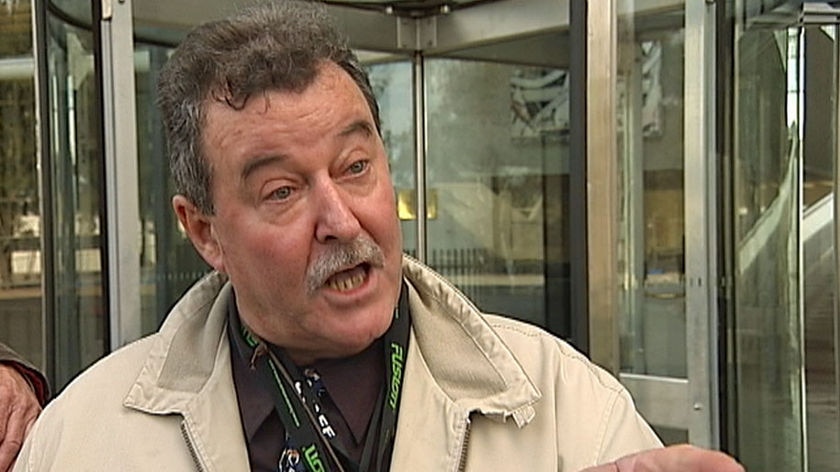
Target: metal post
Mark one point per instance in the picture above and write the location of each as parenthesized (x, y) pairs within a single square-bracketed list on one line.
[(602, 177), (701, 231), (122, 207), (418, 76)]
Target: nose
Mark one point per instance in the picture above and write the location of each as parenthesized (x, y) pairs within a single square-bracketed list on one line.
[(335, 218)]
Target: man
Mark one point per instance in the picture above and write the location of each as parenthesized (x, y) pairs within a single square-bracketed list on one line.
[(23, 391), (315, 345)]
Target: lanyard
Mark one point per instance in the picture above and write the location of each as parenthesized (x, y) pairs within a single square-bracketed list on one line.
[(307, 427)]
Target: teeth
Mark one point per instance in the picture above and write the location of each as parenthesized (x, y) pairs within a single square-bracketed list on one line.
[(343, 284)]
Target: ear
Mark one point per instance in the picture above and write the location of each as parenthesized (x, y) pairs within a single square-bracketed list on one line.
[(199, 229)]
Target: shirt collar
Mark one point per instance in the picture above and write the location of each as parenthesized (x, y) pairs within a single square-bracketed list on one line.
[(353, 383)]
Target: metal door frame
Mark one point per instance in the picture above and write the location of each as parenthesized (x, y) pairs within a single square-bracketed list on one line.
[(689, 403), (826, 15)]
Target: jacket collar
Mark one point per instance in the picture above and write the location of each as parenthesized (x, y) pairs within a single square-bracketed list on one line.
[(464, 356), (187, 351), (191, 350)]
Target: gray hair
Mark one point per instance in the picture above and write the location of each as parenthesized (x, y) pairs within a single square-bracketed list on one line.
[(272, 46)]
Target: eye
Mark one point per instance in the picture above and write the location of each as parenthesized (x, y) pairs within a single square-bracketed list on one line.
[(358, 167), (281, 193)]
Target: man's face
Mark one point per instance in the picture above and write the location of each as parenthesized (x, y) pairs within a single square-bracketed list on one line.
[(305, 223)]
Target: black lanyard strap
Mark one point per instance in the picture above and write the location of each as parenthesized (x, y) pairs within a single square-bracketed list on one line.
[(307, 426)]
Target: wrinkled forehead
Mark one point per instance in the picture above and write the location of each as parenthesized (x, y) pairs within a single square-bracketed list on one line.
[(225, 93), (332, 102)]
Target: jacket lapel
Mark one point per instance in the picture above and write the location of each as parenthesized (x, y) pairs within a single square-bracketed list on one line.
[(188, 373), (457, 366)]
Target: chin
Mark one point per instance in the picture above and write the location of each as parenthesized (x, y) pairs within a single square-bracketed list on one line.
[(358, 340)]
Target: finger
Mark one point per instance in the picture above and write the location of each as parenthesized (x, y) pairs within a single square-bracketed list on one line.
[(611, 467), (684, 458), (5, 449), (7, 399), (705, 460), (8, 452), (29, 425), (11, 443)]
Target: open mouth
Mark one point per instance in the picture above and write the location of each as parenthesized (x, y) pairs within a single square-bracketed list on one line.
[(349, 279)]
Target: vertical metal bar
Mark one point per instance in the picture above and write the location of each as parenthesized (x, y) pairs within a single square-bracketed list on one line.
[(633, 219), (602, 177), (578, 254), (797, 288), (737, 13), (45, 185), (836, 190), (419, 86), (700, 229), (121, 175), (724, 60)]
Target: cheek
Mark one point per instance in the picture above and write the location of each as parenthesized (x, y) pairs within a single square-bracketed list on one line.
[(266, 250), (382, 222)]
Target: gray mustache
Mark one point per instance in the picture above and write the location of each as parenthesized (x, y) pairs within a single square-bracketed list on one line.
[(341, 256)]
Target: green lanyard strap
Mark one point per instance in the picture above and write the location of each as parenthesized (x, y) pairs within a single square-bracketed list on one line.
[(307, 427)]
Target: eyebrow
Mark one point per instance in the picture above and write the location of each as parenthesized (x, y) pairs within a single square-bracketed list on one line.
[(361, 127), (357, 127), (260, 162)]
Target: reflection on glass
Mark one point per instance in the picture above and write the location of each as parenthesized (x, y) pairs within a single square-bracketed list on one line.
[(20, 219), (818, 141), (818, 249), (650, 144), (392, 85), (75, 163), (498, 164), (767, 388), (168, 262), (79, 11)]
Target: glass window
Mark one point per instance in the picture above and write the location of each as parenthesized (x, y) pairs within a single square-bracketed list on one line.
[(20, 215), (168, 262), (497, 176), (766, 388), (652, 160), (74, 167), (392, 85), (650, 145), (819, 258)]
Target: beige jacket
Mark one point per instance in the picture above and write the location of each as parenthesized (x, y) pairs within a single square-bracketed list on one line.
[(481, 393)]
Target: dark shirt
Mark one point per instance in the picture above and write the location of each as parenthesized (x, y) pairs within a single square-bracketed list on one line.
[(352, 385)]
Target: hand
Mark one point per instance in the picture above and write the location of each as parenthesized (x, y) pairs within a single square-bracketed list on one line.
[(683, 458), (18, 409)]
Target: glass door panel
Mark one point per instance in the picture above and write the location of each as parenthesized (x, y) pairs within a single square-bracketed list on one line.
[(168, 262), (766, 388), (392, 83), (497, 179), (652, 253), (818, 240), (666, 218), (74, 165), (20, 214), (651, 100)]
